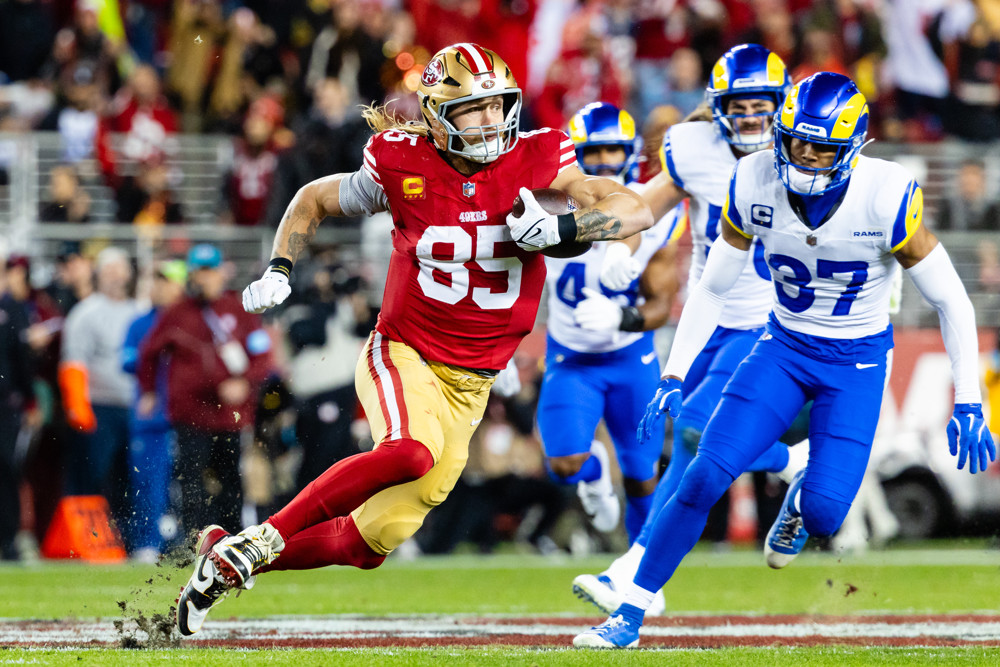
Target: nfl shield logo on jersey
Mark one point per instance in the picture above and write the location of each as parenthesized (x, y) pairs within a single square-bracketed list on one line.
[(469, 189)]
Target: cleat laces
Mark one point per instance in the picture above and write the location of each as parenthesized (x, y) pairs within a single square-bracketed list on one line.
[(788, 530)]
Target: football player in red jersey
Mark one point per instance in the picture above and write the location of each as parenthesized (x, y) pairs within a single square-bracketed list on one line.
[(462, 290)]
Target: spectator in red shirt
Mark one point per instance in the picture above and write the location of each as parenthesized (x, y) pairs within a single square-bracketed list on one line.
[(248, 185), (139, 111), (218, 357)]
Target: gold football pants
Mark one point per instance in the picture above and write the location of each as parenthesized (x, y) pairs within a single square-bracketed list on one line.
[(438, 405)]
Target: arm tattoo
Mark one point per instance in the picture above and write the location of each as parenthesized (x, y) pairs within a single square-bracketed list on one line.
[(297, 241), (595, 225)]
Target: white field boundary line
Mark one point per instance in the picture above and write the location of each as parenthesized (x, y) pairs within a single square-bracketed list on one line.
[(707, 558), (72, 633)]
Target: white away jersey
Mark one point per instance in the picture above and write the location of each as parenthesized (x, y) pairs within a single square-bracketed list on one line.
[(834, 281), (566, 278), (700, 162)]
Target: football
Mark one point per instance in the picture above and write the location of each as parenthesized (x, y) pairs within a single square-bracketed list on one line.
[(555, 202)]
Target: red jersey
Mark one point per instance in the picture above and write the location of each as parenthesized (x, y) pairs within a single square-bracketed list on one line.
[(459, 289)]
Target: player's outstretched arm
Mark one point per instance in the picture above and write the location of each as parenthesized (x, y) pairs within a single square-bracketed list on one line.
[(608, 210), (336, 195), (661, 194), (934, 276), (703, 309), (698, 320), (313, 202)]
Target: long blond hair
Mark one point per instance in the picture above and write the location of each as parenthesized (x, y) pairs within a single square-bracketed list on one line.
[(379, 119)]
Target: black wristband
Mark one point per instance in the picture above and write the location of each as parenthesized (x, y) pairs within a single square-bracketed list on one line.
[(281, 265), (632, 319), (567, 227)]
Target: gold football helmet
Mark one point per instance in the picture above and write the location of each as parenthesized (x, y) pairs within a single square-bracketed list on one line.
[(460, 73)]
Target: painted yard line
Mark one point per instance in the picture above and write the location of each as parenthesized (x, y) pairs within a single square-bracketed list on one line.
[(746, 619), (439, 629)]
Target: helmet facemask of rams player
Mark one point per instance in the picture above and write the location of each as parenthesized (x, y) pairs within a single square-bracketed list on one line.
[(463, 73), (604, 137), (819, 133), (747, 72)]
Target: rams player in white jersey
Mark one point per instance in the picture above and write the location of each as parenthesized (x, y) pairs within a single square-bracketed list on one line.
[(600, 361), (836, 226), (748, 83)]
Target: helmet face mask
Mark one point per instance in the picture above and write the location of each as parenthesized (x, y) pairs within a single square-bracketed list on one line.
[(481, 143), (747, 71), (600, 124), (827, 111), (464, 73), (746, 141)]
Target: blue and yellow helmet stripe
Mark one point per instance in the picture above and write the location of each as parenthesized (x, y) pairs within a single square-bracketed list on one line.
[(825, 109), (603, 124)]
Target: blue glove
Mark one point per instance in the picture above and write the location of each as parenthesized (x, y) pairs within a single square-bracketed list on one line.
[(969, 437), (667, 399)]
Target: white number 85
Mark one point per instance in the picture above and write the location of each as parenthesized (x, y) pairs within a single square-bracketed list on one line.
[(487, 236)]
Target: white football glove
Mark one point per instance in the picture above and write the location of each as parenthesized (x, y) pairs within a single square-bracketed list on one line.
[(508, 382), (597, 312), (269, 291), (535, 229), (620, 268)]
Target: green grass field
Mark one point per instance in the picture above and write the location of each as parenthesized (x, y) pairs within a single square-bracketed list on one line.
[(961, 579)]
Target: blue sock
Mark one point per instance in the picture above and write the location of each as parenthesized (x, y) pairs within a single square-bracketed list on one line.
[(637, 508), (588, 472), (630, 613), (775, 459), (679, 525)]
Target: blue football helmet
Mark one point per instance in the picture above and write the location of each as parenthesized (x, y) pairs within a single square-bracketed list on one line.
[(747, 71), (603, 124), (828, 111)]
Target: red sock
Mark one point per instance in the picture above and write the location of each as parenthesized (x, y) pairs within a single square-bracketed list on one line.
[(334, 542), (348, 483)]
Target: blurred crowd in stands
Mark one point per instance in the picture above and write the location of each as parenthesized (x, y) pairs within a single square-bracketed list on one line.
[(286, 78), (248, 411)]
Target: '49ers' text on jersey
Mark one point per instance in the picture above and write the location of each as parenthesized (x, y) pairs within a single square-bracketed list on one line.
[(459, 289)]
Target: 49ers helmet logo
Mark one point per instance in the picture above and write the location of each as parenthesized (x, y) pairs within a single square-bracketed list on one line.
[(433, 73)]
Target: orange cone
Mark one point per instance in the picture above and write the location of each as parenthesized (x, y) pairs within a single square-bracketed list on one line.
[(742, 512), (81, 528)]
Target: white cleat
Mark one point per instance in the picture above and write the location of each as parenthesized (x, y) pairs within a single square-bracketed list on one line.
[(239, 557), (205, 588), (658, 606), (616, 632), (600, 590), (598, 497)]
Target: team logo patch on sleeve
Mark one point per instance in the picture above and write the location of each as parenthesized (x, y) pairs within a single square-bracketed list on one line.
[(413, 187)]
